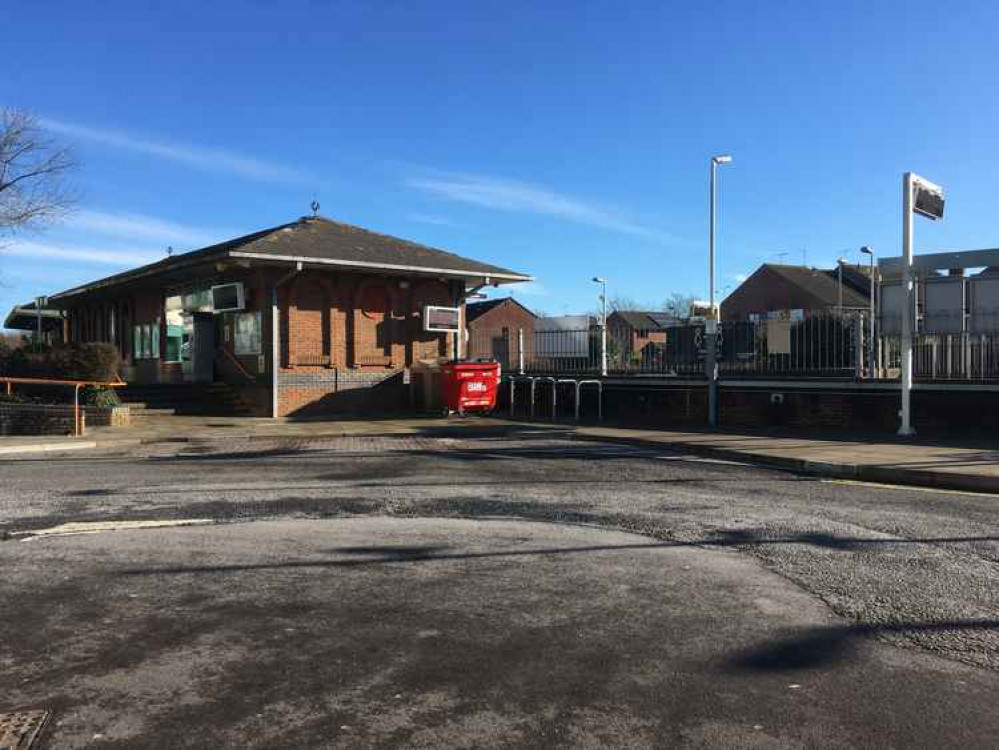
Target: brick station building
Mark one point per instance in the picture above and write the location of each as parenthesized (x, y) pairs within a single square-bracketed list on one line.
[(309, 316)]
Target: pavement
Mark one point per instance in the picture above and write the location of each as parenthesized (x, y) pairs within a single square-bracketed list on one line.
[(926, 462), (10, 445), (967, 464), (507, 588)]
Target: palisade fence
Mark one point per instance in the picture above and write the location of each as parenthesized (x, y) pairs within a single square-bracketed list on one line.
[(818, 346)]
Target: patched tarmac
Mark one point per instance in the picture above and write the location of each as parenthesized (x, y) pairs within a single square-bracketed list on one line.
[(378, 632)]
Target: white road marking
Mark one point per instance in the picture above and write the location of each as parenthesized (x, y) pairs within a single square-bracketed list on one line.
[(98, 527)]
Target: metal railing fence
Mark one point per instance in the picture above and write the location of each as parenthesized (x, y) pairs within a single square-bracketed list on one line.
[(820, 345)]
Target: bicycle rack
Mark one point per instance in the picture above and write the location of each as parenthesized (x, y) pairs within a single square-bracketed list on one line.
[(600, 397), (554, 383), (513, 380)]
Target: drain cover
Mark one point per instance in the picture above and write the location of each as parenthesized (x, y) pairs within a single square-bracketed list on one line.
[(19, 730)]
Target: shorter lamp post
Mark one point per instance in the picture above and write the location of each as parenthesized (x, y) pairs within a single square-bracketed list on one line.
[(603, 324), (866, 250)]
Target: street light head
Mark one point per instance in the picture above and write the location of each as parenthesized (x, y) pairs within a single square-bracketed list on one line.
[(599, 280), (722, 159), (867, 251)]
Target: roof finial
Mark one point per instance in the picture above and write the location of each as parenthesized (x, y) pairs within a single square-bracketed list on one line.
[(169, 250), (315, 208)]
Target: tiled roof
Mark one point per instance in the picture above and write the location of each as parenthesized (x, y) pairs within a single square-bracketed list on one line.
[(323, 241), (475, 310), (645, 320), (820, 285)]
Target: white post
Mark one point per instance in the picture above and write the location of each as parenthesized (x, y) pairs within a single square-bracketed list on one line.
[(859, 346), (275, 353), (603, 331), (870, 345), (839, 301), (711, 324), (520, 351), (909, 309)]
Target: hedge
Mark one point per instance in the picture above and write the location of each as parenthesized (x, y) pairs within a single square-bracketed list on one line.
[(61, 362)]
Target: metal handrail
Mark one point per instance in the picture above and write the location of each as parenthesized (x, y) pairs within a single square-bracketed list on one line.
[(76, 385), (238, 365)]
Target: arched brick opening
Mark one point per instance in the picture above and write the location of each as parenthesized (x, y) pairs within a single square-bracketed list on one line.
[(373, 330), (309, 338)]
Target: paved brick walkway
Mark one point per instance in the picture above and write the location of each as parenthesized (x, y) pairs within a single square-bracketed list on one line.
[(970, 467)]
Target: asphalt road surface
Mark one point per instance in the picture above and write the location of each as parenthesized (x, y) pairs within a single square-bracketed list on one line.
[(512, 590)]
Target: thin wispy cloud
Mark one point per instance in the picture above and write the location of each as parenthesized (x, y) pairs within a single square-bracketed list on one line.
[(433, 220), (513, 195), (200, 157), (529, 289), (142, 228), (80, 254)]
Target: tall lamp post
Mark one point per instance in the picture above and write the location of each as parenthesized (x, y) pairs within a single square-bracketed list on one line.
[(603, 324), (866, 250), (839, 297), (711, 326)]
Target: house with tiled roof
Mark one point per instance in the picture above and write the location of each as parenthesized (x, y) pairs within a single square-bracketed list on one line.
[(775, 288), (631, 331), (497, 329)]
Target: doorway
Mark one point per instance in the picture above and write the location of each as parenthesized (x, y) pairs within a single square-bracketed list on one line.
[(197, 347)]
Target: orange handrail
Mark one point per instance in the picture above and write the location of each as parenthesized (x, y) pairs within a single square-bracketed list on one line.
[(238, 365), (49, 381), (75, 384)]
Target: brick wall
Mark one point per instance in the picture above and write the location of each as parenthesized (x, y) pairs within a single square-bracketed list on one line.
[(649, 406), (36, 419), (338, 333), (347, 341), (306, 394), (493, 335), (843, 408)]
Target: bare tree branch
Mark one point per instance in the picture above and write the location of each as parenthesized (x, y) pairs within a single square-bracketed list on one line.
[(33, 174)]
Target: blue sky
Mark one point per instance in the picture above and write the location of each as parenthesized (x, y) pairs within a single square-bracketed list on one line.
[(562, 139)]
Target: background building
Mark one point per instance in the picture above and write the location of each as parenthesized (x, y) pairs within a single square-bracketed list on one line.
[(774, 288), (494, 329)]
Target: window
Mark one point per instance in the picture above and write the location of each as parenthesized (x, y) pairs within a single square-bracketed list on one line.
[(247, 333), (154, 340), (146, 341)]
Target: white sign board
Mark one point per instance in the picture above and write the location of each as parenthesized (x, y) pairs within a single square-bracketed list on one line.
[(943, 305), (984, 304), (441, 319), (892, 305)]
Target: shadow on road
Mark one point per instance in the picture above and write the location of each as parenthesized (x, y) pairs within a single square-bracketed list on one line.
[(382, 555), (819, 647)]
